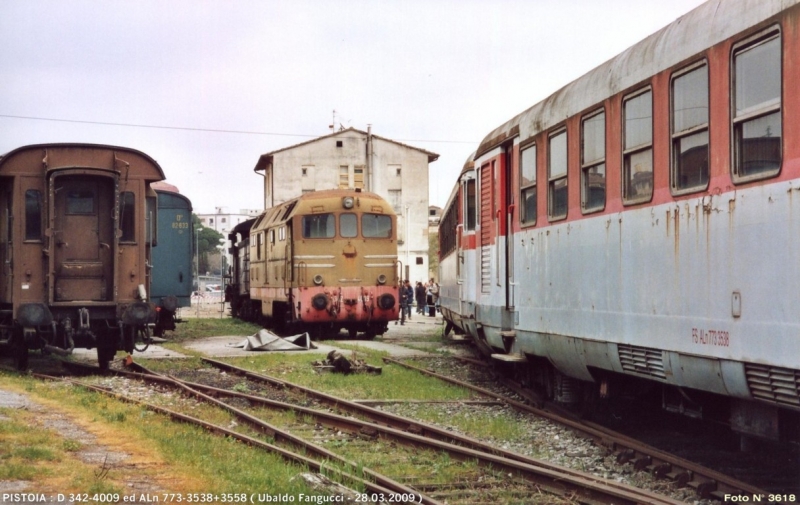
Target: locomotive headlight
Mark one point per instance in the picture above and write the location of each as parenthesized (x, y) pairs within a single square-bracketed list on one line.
[(348, 202), (381, 279), (318, 280), (319, 302)]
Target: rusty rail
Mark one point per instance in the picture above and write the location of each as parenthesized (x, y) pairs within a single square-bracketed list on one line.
[(706, 482)]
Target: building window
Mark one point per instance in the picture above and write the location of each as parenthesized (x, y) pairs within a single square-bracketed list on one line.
[(210, 220), (223, 219), (757, 117), (593, 162), (419, 260), (527, 184), (396, 199), (33, 215), (339, 143), (344, 177), (470, 205), (557, 175), (358, 177), (690, 130), (637, 154), (304, 171)]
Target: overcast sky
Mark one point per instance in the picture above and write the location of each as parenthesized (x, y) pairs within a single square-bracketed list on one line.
[(211, 85)]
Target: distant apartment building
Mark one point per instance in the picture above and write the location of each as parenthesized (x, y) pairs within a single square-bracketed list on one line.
[(222, 221), (354, 158)]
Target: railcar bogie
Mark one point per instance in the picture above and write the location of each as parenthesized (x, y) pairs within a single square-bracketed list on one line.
[(637, 227), (75, 242)]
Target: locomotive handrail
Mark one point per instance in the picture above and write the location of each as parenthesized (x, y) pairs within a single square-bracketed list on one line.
[(302, 272)]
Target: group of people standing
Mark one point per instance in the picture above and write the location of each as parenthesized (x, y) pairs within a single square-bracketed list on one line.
[(426, 296)]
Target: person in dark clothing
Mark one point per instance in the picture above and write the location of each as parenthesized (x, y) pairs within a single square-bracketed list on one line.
[(406, 299), (419, 294)]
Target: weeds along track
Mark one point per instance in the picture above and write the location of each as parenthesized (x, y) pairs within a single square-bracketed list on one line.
[(431, 463), (707, 483)]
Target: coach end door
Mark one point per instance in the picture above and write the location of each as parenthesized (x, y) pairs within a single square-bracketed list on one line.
[(82, 238)]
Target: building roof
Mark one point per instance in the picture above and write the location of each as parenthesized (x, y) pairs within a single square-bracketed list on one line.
[(266, 158)]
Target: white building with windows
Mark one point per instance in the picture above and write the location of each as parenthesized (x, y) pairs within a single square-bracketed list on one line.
[(224, 221), (354, 158)]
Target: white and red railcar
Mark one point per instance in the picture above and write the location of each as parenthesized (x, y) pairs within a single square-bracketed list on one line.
[(640, 222)]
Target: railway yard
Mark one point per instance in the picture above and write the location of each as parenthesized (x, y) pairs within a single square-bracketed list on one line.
[(436, 425)]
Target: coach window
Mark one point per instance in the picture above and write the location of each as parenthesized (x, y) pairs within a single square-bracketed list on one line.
[(319, 226), (557, 175), (348, 225), (282, 234), (690, 130), (637, 170), (33, 215), (757, 107), (470, 205), (593, 162), (527, 184), (127, 217)]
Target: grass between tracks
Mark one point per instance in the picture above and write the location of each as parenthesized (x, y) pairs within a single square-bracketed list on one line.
[(182, 459), (173, 457)]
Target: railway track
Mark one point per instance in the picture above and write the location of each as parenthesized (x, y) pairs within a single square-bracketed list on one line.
[(707, 483), (493, 466)]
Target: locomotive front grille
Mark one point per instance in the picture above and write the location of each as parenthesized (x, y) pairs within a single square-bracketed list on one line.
[(773, 384), (641, 360)]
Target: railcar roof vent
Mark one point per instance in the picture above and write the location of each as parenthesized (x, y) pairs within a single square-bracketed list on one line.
[(774, 384), (641, 360)]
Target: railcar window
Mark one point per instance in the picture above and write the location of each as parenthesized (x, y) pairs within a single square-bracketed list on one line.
[(127, 217), (80, 202), (348, 225), (376, 226), (528, 185), (319, 226), (557, 168), (637, 178), (690, 130), (593, 162), (757, 118), (33, 215), (470, 205)]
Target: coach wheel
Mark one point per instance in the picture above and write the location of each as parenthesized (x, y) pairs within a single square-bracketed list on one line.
[(369, 335), (20, 353), (104, 356), (141, 339)]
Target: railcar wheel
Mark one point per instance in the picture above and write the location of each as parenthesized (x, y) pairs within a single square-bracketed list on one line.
[(352, 333), (142, 339), (104, 356), (20, 353)]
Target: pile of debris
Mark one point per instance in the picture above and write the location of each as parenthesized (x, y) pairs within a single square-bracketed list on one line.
[(336, 362)]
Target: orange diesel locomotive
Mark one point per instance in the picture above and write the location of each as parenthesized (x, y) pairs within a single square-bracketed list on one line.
[(320, 263)]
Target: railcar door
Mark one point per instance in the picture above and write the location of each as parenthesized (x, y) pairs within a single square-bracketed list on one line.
[(83, 238)]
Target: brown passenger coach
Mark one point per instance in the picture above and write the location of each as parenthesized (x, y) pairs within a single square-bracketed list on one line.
[(77, 223)]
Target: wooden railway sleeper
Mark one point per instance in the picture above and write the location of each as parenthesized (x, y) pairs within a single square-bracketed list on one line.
[(703, 488)]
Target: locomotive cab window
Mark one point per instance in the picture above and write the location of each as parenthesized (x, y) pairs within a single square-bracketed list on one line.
[(319, 226), (757, 117), (376, 226), (33, 215), (690, 130), (557, 175), (637, 154), (593, 162), (348, 225), (127, 217), (527, 185)]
